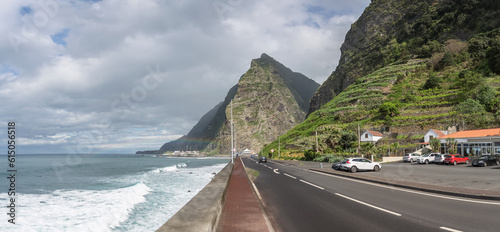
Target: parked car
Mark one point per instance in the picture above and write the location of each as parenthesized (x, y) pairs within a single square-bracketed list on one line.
[(336, 166), (411, 157), (455, 159), (355, 164), (439, 159), (263, 159), (486, 160), (428, 158)]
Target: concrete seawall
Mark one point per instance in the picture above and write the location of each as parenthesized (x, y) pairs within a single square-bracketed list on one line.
[(203, 211)]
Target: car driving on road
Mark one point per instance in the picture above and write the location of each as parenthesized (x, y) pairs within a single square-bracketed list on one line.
[(263, 159), (455, 159), (485, 160), (355, 164)]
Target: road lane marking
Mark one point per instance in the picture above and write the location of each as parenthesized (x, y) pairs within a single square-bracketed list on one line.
[(290, 176), (303, 181), (449, 229), (409, 191), (369, 205), (276, 171)]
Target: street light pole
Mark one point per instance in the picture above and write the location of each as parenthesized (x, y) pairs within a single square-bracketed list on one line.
[(232, 153)]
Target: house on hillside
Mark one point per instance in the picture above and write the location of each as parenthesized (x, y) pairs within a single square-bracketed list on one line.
[(433, 133), (371, 136)]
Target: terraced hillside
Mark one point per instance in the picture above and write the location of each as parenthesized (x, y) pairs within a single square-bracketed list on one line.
[(392, 100)]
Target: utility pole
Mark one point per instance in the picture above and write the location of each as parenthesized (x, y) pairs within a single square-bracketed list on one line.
[(235, 144), (317, 149), (359, 141), (232, 147), (279, 147)]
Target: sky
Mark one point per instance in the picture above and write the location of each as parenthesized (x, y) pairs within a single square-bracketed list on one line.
[(118, 76)]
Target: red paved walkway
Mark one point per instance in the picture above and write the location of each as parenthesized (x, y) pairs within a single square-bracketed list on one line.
[(242, 210)]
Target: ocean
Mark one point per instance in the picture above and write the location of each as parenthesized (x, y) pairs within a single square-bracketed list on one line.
[(101, 192)]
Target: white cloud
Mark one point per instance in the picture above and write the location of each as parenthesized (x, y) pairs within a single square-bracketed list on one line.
[(89, 91)]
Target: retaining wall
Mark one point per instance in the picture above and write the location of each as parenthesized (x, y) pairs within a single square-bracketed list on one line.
[(203, 211), (392, 159)]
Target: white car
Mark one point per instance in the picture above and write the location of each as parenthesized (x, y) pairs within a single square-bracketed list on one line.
[(411, 157), (426, 159), (355, 164)]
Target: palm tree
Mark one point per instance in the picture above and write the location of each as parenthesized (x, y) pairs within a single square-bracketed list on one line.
[(435, 143), (395, 146), (451, 144)]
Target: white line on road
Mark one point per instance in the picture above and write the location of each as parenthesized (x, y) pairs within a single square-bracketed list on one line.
[(276, 171), (290, 176), (303, 181), (449, 229), (410, 191), (364, 203)]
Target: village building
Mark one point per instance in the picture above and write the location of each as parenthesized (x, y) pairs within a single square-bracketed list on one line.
[(474, 142), (371, 136), (433, 133)]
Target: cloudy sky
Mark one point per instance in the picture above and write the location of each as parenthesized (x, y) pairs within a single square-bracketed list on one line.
[(117, 76)]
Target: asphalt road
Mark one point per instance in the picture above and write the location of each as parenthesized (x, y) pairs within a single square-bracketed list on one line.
[(296, 199)]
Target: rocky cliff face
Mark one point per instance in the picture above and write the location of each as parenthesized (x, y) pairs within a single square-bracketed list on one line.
[(268, 100), (397, 30), (357, 49), (271, 99)]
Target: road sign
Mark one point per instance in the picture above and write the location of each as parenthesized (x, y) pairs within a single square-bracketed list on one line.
[(272, 150)]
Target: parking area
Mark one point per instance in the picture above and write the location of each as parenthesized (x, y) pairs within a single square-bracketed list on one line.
[(459, 176)]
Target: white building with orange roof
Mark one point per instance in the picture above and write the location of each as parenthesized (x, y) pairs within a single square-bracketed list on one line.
[(474, 142), (371, 136), (433, 133)]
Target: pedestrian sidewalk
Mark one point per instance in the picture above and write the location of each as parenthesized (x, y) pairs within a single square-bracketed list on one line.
[(242, 210)]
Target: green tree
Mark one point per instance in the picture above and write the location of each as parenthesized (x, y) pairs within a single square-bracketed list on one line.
[(394, 148), (388, 109), (347, 139), (451, 144), (432, 83), (486, 95), (368, 149), (310, 155), (469, 107), (493, 56), (435, 143)]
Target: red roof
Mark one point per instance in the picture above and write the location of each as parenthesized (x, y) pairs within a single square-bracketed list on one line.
[(438, 132), (375, 133), (473, 133)]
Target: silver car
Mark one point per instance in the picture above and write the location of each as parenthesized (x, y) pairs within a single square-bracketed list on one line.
[(439, 159), (411, 157)]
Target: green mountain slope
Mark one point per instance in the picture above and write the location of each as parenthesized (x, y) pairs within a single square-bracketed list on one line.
[(406, 67), (392, 30)]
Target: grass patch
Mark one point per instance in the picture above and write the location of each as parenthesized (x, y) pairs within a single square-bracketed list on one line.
[(252, 173)]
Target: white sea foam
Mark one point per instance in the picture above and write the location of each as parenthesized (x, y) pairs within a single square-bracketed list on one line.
[(169, 168), (151, 197), (172, 190), (77, 210)]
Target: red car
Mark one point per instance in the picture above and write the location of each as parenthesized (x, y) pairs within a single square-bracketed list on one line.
[(455, 159)]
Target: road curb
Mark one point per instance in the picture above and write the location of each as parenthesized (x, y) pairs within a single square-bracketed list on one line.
[(459, 192)]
